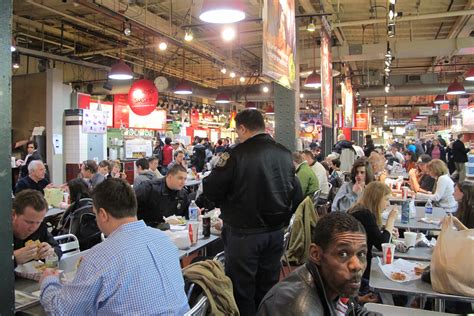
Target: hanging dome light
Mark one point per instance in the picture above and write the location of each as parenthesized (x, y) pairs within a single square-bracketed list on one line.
[(222, 98), (455, 88), (440, 99), (183, 88), (313, 81), (470, 75), (120, 71), (222, 12)]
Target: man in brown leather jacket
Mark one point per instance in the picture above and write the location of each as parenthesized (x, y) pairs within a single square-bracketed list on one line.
[(332, 275)]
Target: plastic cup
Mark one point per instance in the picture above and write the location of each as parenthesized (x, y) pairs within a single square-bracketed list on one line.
[(66, 197), (193, 228), (388, 251), (404, 193), (410, 239)]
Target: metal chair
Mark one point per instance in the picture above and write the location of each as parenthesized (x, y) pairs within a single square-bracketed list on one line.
[(220, 257), (69, 244), (316, 196), (200, 308), (286, 241)]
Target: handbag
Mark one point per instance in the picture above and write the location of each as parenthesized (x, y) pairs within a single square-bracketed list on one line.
[(452, 269)]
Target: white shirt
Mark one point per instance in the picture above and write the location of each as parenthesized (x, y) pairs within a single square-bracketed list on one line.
[(444, 195), (321, 174)]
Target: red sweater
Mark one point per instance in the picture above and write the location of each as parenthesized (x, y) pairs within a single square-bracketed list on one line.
[(167, 155)]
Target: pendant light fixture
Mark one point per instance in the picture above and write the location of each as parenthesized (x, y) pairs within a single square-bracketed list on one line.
[(470, 75), (314, 79), (222, 98), (440, 99), (120, 71), (183, 87), (222, 12), (455, 88)]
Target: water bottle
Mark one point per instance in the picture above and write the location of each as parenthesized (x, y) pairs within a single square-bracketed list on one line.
[(52, 261), (193, 212), (429, 207), (405, 212)]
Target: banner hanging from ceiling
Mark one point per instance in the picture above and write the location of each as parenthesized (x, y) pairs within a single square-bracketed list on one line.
[(348, 103), (361, 122), (279, 41), (326, 73)]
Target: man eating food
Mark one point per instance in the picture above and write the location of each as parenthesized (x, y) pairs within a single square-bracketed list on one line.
[(326, 284), (31, 239)]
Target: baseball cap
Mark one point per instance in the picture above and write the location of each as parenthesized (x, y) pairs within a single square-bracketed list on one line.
[(314, 145)]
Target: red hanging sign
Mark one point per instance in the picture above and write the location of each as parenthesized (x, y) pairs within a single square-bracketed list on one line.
[(361, 122), (143, 97)]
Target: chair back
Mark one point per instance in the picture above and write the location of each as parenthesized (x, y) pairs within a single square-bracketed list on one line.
[(69, 244), (316, 196), (220, 257), (200, 308)]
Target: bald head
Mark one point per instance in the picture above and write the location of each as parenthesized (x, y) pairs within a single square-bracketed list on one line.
[(341, 137)]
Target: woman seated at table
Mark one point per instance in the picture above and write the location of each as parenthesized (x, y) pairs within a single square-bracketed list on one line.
[(79, 218), (464, 195), (443, 196), (368, 211), (410, 160), (419, 179), (347, 195), (377, 161)]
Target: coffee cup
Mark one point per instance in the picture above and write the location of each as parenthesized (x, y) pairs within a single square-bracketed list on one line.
[(410, 239), (388, 251)]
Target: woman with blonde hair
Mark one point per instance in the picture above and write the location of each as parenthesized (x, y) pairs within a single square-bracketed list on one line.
[(444, 193), (368, 211)]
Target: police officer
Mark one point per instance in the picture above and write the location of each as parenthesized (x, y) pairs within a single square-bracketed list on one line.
[(162, 197), (255, 186)]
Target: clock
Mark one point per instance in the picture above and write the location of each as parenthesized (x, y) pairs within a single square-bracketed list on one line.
[(161, 83), (309, 128)]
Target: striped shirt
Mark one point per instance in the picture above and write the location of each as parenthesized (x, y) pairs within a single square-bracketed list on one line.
[(135, 271)]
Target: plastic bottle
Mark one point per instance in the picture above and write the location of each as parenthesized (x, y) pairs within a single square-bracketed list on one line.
[(193, 212), (52, 261), (429, 207)]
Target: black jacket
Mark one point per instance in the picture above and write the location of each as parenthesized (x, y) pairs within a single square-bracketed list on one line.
[(199, 157), (28, 183), (302, 294), (368, 148), (459, 151), (342, 144), (42, 235), (255, 185), (156, 200), (375, 236)]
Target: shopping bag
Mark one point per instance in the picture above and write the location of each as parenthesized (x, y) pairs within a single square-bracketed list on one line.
[(452, 268)]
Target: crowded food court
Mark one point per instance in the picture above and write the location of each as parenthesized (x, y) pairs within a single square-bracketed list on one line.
[(237, 157)]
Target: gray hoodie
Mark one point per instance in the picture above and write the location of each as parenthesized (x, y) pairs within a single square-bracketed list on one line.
[(144, 176)]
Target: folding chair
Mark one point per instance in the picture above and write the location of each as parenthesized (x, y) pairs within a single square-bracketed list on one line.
[(69, 244)]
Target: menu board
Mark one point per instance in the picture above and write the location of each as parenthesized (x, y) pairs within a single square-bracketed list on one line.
[(138, 148), (94, 122), (106, 107)]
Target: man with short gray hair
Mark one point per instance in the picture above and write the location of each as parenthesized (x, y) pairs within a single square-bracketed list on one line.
[(36, 179)]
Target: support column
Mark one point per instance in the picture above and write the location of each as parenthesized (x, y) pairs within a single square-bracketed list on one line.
[(287, 118), (7, 278), (58, 98)]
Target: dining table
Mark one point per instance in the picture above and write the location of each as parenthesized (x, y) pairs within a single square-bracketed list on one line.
[(413, 253), (416, 223), (390, 310), (380, 283)]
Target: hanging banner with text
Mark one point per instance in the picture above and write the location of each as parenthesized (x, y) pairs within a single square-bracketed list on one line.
[(279, 41), (348, 103), (361, 122), (326, 72)]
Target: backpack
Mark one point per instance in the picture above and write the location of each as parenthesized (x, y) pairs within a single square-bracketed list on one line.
[(81, 222)]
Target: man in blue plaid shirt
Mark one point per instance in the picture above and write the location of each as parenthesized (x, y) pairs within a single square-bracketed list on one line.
[(135, 271)]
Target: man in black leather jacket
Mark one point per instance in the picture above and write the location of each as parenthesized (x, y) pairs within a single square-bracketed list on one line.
[(163, 197), (332, 275), (255, 186)]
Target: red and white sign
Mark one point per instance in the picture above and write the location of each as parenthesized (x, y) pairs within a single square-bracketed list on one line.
[(143, 97), (361, 122)]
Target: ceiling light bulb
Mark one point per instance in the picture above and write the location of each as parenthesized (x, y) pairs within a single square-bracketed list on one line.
[(242, 79), (163, 46), (232, 74), (16, 65), (311, 27), (369, 105), (12, 48), (188, 36), (222, 11), (301, 95), (393, 1), (223, 70), (387, 88), (127, 31), (447, 114), (265, 89), (228, 34), (385, 111), (386, 105)]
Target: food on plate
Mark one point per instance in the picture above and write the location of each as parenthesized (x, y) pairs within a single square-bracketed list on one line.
[(40, 266), (176, 220), (398, 276)]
